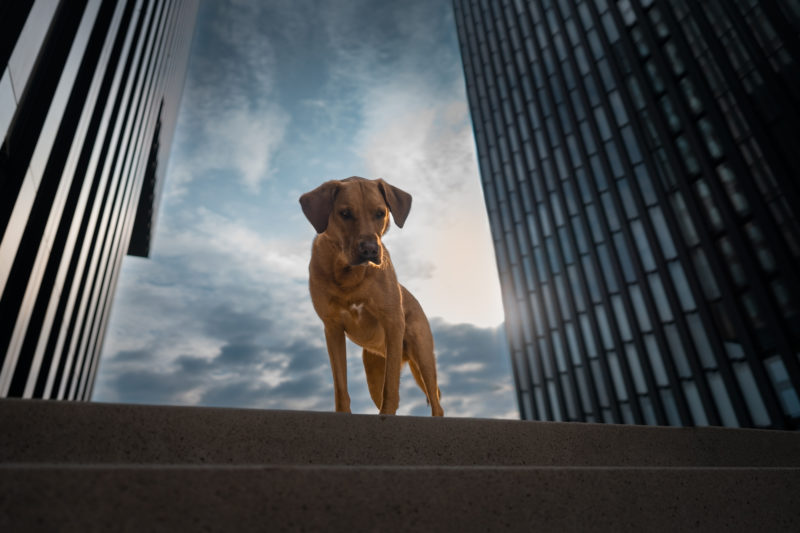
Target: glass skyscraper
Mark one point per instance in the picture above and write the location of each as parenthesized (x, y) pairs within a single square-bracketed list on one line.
[(89, 95), (640, 162)]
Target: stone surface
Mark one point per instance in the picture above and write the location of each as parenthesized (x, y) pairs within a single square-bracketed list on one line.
[(349, 498), (77, 467), (108, 433)]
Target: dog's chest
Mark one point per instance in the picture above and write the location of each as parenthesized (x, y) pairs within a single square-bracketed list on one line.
[(354, 311)]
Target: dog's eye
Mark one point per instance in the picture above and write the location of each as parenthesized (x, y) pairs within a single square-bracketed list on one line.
[(380, 213), (346, 214)]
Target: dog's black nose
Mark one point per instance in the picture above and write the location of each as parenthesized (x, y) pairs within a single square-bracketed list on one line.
[(368, 250)]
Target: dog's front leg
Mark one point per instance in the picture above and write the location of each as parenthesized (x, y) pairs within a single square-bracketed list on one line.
[(337, 351), (391, 379)]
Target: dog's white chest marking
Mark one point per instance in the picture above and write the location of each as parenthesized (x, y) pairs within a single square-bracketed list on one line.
[(355, 310)]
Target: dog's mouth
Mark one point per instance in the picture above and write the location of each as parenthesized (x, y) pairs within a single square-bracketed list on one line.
[(366, 260)]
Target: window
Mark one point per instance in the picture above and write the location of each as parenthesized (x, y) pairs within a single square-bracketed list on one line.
[(677, 352), (783, 386), (681, 285), (695, 405), (656, 362), (636, 368), (701, 343), (660, 297), (662, 232), (643, 245), (639, 307), (752, 395)]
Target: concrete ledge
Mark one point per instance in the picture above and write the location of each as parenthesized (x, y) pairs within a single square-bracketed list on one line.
[(69, 432), (241, 498)]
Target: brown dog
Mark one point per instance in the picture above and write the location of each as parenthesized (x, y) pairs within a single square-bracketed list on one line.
[(355, 291)]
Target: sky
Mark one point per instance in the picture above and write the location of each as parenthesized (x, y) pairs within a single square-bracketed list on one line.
[(281, 96)]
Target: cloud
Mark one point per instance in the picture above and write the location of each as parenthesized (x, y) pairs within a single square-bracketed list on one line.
[(233, 125)]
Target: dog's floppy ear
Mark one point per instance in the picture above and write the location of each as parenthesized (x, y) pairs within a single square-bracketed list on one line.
[(318, 204), (398, 200)]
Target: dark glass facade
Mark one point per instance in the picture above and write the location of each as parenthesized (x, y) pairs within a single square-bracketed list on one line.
[(640, 167), (89, 96)]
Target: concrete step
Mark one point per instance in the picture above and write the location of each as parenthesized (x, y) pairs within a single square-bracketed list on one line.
[(92, 433), (81, 498)]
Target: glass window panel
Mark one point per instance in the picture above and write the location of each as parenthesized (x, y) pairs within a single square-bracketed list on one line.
[(608, 269), (684, 219), (752, 395), (643, 245), (610, 27), (636, 93), (628, 202), (588, 138), (616, 376), (583, 387), (614, 160), (558, 350), (572, 344), (687, 154), (655, 77), (674, 58), (618, 108), (569, 195), (605, 328), (602, 123), (764, 254), (605, 74), (551, 392), (588, 337), (677, 352), (583, 185), (645, 184), (731, 184), (656, 361), (681, 286), (591, 278), (695, 405), (712, 141), (670, 407), (631, 145), (610, 211), (660, 297), (639, 307), (701, 342), (580, 236), (706, 277), (539, 394), (732, 261), (569, 395), (722, 399), (690, 94), (669, 113), (575, 288), (662, 232), (622, 318), (599, 383), (636, 368), (597, 172), (594, 223), (783, 386), (648, 411), (624, 257)]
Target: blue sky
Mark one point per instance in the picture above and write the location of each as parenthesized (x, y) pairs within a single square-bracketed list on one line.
[(281, 96)]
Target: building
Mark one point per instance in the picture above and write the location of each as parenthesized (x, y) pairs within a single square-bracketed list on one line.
[(88, 101), (640, 170)]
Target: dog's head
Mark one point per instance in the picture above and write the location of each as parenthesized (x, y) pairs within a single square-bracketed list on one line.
[(355, 212)]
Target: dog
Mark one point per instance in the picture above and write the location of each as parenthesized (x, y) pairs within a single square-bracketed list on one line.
[(355, 292)]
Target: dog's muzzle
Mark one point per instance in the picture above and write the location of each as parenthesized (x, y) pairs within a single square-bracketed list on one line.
[(369, 250)]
